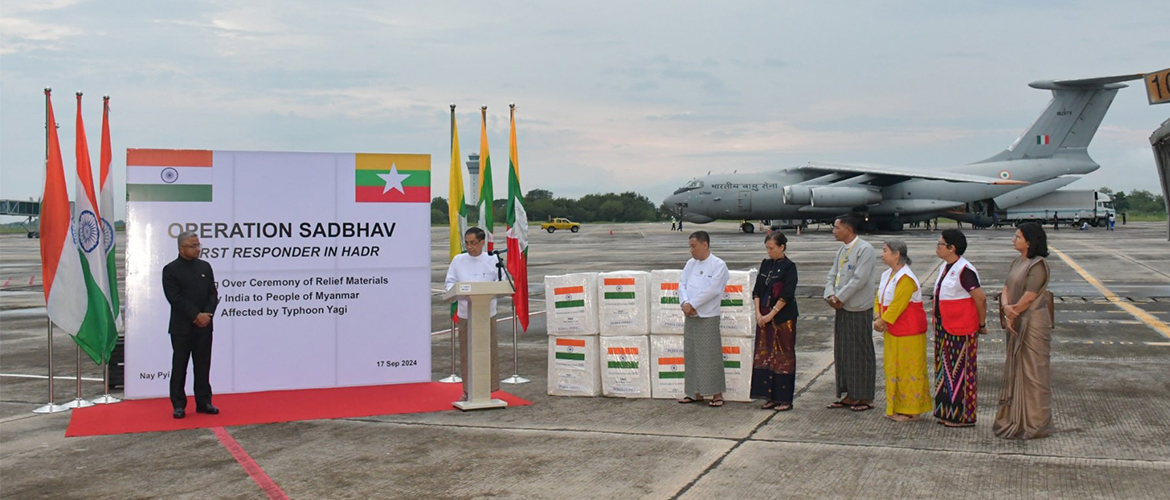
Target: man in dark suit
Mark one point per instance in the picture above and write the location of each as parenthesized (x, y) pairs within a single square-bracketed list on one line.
[(189, 286)]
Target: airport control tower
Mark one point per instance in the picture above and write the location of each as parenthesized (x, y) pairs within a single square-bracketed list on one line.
[(473, 176)]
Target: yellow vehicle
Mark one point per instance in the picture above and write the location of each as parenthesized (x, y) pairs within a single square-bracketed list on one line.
[(560, 224)]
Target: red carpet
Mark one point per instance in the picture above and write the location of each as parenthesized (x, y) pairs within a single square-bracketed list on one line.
[(152, 415)]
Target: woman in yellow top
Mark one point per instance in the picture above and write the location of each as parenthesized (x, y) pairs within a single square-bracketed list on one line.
[(899, 314)]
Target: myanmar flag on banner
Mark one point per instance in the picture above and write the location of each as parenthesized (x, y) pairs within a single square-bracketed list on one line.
[(569, 297), (728, 301), (671, 368), (669, 293), (731, 356), (618, 289), (570, 349), (622, 358), (169, 175), (392, 178)]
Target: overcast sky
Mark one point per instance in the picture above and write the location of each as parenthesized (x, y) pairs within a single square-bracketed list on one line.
[(611, 96)]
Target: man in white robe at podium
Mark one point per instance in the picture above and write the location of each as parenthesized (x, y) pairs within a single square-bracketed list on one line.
[(475, 265)]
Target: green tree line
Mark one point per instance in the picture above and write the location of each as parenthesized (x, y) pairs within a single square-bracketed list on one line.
[(542, 205), (1137, 202)]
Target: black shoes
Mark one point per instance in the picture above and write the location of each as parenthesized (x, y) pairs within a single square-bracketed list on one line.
[(208, 409), (179, 413)]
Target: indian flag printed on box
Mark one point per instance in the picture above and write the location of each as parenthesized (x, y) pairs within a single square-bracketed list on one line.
[(618, 290), (569, 298), (392, 178), (669, 293), (570, 353), (732, 296), (622, 358), (169, 175), (731, 357), (671, 368)]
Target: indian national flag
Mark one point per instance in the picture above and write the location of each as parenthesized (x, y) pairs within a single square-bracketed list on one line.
[(1043, 139), (618, 289), (730, 300), (392, 178), (622, 357), (169, 175), (731, 356), (570, 350), (671, 368), (669, 293), (569, 298)]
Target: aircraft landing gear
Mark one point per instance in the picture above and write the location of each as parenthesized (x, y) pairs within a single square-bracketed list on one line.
[(748, 227)]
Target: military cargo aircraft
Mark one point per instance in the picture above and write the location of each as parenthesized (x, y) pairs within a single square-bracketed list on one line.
[(1050, 154)]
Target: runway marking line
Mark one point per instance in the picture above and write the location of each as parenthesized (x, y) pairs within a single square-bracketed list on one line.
[(250, 466), (1147, 318)]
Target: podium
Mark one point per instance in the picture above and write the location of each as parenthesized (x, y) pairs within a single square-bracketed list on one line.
[(479, 362)]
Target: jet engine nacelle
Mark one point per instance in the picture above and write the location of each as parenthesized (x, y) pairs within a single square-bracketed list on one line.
[(830, 196)]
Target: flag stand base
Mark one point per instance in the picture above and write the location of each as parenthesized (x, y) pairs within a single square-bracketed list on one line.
[(51, 408), (515, 379), (106, 399), (451, 379), (78, 403)]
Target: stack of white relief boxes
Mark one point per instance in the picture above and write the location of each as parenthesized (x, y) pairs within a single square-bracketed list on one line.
[(737, 325), (668, 368), (624, 321), (571, 312)]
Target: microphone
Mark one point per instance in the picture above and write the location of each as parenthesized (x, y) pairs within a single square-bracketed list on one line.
[(497, 252)]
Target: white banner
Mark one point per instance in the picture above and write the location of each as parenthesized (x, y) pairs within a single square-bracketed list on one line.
[(322, 262)]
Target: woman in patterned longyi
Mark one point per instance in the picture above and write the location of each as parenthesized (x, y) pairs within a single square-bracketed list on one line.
[(774, 363)]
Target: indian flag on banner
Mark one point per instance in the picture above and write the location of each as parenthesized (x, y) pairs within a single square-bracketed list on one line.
[(618, 289), (169, 175), (622, 358), (731, 356), (732, 301), (392, 178), (567, 298), (669, 293), (671, 368), (1043, 139)]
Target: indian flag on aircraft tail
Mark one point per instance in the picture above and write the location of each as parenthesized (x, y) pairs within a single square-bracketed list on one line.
[(569, 298), (1043, 139), (392, 178), (622, 358), (169, 175), (671, 368), (731, 356), (618, 289), (669, 293), (732, 296)]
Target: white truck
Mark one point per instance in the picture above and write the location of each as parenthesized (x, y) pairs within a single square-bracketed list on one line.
[(1067, 206)]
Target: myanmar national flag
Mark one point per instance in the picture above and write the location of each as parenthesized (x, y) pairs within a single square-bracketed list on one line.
[(517, 233), (569, 297), (622, 358), (570, 349), (671, 368), (392, 178), (169, 175), (618, 289), (669, 293), (487, 192), (731, 356), (728, 301)]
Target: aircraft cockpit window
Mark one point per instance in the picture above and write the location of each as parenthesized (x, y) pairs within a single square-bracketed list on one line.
[(694, 184)]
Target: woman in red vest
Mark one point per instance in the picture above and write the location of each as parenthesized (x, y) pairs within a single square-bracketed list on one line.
[(960, 313), (900, 316)]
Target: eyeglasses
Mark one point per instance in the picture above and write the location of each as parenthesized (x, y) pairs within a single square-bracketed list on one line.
[(943, 244), (472, 242), (193, 245)]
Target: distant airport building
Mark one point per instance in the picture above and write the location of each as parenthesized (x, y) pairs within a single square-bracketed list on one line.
[(1160, 141), (473, 173)]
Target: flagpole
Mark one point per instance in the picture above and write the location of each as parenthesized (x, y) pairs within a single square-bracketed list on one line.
[(454, 377), (106, 398), (50, 407), (515, 378), (78, 402)]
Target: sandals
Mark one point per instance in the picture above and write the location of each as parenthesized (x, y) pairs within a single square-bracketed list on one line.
[(715, 403), (768, 406), (839, 404), (782, 407), (861, 407), (687, 400)]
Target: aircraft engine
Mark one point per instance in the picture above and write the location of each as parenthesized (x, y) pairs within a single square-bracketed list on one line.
[(830, 196)]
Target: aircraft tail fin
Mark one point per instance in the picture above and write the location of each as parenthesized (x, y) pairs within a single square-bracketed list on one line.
[(1071, 119)]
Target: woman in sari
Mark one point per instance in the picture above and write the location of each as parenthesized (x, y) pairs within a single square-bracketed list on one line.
[(1025, 403), (899, 314), (774, 364), (960, 312)]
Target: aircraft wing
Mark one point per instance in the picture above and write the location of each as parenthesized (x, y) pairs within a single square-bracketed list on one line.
[(901, 173)]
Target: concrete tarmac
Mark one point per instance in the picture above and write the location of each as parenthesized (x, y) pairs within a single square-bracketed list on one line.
[(1110, 362)]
